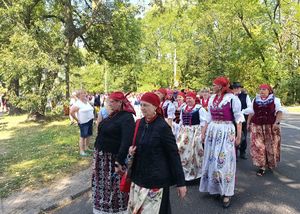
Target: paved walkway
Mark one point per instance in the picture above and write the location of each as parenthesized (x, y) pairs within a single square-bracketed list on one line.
[(65, 190)]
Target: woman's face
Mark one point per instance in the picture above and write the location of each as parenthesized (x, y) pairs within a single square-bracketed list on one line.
[(190, 101), (82, 96), (205, 94), (159, 94), (148, 110), (114, 105), (217, 88), (180, 99), (263, 92)]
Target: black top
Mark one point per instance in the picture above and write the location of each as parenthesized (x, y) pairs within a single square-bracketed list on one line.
[(156, 162), (115, 135), (243, 98)]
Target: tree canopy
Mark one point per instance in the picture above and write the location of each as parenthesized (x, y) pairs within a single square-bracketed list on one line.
[(49, 47)]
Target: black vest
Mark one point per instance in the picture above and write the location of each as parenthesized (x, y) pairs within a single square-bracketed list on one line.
[(243, 97)]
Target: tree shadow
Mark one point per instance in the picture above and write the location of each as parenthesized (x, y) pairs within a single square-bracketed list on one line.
[(37, 154)]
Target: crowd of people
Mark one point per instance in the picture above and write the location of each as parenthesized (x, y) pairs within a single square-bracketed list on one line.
[(179, 137)]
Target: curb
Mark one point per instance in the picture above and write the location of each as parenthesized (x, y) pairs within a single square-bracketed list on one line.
[(64, 201)]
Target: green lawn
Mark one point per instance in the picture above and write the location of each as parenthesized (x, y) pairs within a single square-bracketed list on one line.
[(34, 154), (293, 109)]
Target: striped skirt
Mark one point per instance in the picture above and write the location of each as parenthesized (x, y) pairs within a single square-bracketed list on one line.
[(106, 194)]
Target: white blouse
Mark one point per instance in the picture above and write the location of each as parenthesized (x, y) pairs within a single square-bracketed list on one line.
[(278, 106), (171, 109), (203, 115)]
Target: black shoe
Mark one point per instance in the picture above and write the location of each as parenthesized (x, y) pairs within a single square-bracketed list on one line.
[(226, 201), (243, 156)]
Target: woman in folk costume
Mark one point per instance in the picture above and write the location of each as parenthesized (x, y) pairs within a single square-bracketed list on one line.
[(167, 105), (193, 124), (205, 94), (219, 163), (114, 138), (265, 116), (180, 102), (156, 164)]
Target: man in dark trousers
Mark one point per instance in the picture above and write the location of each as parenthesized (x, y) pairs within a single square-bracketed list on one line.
[(246, 102)]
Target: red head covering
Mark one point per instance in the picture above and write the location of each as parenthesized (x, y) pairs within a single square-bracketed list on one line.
[(163, 91), (153, 99), (266, 86), (224, 82), (191, 94), (181, 94), (126, 106)]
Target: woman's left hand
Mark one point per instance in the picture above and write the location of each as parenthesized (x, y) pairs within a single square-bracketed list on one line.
[(237, 140), (119, 169), (202, 138), (181, 191)]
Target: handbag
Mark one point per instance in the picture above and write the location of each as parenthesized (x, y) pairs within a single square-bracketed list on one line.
[(125, 181)]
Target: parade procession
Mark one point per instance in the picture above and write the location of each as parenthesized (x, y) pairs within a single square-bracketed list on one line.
[(149, 107)]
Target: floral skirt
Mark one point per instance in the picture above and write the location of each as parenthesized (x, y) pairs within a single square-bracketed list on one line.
[(219, 163), (143, 200), (106, 194), (190, 150), (265, 145)]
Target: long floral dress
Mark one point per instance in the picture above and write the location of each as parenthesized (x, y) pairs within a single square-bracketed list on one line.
[(265, 141), (189, 140), (219, 163)]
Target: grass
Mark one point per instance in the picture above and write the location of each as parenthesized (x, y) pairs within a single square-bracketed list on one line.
[(293, 109), (35, 154)]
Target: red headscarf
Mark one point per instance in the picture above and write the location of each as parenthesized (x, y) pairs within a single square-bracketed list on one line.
[(181, 94), (153, 99), (266, 86), (191, 94), (224, 82), (163, 91), (126, 106)]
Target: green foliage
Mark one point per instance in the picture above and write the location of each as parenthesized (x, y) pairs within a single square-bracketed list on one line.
[(47, 151), (47, 46)]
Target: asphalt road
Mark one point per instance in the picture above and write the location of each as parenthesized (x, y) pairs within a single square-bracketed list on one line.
[(274, 193)]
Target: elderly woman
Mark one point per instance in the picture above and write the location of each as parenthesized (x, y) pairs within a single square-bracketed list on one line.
[(156, 165), (179, 103), (205, 94), (83, 113), (111, 147), (265, 116), (193, 124), (167, 104), (219, 164)]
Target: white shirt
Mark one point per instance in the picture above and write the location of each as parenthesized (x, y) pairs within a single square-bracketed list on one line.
[(171, 109), (278, 106), (203, 116), (85, 112)]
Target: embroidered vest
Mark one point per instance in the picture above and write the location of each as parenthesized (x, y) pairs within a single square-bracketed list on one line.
[(190, 118), (264, 113), (222, 114)]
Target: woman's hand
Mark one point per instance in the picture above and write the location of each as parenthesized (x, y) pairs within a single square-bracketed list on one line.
[(275, 126), (132, 150), (248, 127), (237, 140), (181, 191), (119, 169), (202, 138)]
